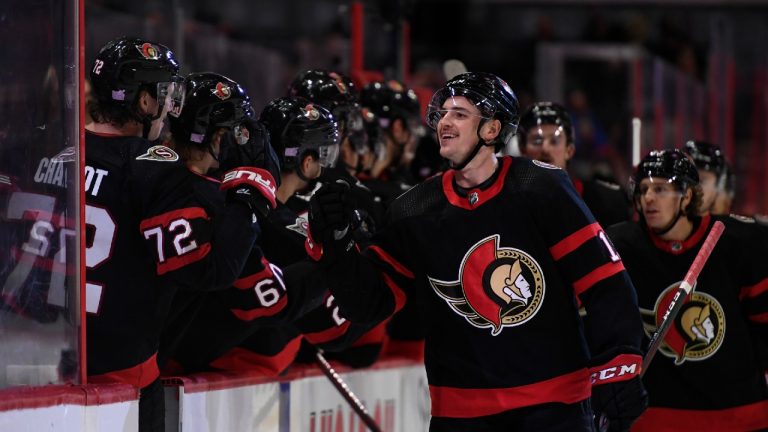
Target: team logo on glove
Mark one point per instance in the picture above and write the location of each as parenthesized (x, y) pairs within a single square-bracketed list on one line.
[(497, 287), (698, 330)]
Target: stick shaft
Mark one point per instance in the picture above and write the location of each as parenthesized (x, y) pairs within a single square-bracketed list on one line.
[(346, 392)]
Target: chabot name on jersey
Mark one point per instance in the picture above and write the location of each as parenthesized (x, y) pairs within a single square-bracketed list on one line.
[(93, 178), (51, 172)]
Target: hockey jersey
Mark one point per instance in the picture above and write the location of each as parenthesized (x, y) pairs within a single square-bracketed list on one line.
[(708, 373), (149, 231), (607, 201), (497, 269)]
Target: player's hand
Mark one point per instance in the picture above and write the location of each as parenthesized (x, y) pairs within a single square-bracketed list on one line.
[(254, 187), (617, 405), (331, 222)]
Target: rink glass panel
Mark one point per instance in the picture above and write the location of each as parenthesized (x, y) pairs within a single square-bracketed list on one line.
[(39, 193)]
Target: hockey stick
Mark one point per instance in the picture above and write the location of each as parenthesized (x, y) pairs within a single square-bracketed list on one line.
[(682, 292), (346, 392)]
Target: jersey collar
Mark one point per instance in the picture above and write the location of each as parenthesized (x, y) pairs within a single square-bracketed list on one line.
[(475, 197), (676, 247)]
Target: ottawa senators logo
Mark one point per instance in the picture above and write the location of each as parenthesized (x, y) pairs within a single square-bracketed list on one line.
[(698, 330), (339, 83), (148, 51), (159, 153), (311, 112), (497, 287), (222, 91)]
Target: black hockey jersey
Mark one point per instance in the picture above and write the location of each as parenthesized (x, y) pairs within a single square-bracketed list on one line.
[(708, 373), (497, 268), (149, 231), (607, 201)]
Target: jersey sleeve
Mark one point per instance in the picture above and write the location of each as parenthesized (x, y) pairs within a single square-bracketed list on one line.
[(195, 240), (753, 293), (591, 265)]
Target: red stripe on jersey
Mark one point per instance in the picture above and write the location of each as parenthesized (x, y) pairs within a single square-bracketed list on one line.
[(603, 272), (373, 336), (743, 418), (249, 282), (761, 318), (240, 359), (140, 376), (166, 218), (573, 241), (389, 259), (466, 403), (396, 291), (754, 290), (675, 247), (327, 334), (252, 314), (177, 262), (623, 367)]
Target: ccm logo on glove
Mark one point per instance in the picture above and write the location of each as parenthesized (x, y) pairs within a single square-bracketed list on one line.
[(621, 368)]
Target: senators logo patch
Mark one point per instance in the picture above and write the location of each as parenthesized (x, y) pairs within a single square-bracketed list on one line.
[(301, 224), (497, 287), (311, 112), (698, 330), (148, 51), (159, 153), (222, 91)]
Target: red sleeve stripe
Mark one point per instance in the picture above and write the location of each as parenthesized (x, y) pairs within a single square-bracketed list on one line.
[(573, 241), (327, 334), (396, 291), (761, 318), (403, 270), (603, 272), (464, 402), (139, 376), (177, 262), (252, 314), (250, 281), (241, 359), (754, 290), (166, 218)]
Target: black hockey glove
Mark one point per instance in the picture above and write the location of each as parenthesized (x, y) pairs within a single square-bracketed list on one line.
[(332, 222), (254, 187), (618, 394)]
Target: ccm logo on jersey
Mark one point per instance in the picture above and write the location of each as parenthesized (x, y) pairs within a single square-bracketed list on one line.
[(621, 368), (251, 176)]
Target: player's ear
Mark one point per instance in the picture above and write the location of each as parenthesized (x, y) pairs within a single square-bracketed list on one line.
[(490, 130), (570, 150)]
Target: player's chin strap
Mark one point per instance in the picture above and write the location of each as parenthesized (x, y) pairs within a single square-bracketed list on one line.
[(473, 153), (674, 221)]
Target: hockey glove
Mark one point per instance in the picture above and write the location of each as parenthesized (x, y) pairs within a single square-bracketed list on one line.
[(331, 222), (254, 187), (618, 394)]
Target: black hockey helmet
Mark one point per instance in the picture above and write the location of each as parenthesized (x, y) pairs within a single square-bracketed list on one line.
[(337, 93), (545, 113), (672, 165), (329, 89), (489, 93), (297, 126), (706, 156), (212, 101), (390, 100), (126, 65)]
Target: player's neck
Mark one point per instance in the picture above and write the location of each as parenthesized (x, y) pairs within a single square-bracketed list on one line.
[(128, 129), (480, 169), (680, 232), (289, 184)]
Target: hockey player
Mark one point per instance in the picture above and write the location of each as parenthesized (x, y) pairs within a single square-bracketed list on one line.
[(710, 162), (149, 230), (336, 93), (707, 375), (495, 251), (546, 134)]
